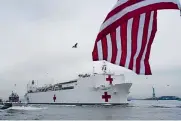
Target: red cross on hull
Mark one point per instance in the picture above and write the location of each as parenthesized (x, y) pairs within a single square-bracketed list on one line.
[(106, 97), (54, 98), (110, 79)]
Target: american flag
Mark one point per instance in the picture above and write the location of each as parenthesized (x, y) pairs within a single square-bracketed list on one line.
[(127, 33)]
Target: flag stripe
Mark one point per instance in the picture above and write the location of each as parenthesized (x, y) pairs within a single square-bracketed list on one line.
[(114, 46), (154, 4), (99, 47), (104, 47), (143, 69), (109, 45), (116, 20), (134, 37), (139, 26), (139, 40), (120, 6), (118, 42), (144, 41), (95, 53), (153, 33), (124, 43), (129, 42), (126, 35), (119, 2)]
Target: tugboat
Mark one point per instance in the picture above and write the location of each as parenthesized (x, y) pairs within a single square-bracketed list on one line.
[(6, 105), (1, 101), (13, 101)]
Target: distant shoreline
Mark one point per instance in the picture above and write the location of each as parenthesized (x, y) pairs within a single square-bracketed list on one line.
[(160, 98)]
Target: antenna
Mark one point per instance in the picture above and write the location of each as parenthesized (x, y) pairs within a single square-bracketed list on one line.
[(14, 88), (93, 69), (27, 87)]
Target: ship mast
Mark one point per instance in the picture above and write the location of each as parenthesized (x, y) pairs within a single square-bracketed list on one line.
[(14, 90), (104, 67)]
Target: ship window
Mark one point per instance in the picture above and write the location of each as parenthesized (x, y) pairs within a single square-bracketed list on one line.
[(65, 88)]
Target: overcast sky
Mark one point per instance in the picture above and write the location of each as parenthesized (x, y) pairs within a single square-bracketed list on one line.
[(36, 39)]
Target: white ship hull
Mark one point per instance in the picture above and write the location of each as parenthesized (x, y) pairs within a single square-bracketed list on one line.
[(87, 91)]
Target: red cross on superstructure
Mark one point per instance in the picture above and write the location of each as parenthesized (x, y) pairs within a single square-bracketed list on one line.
[(106, 97), (54, 98), (109, 79)]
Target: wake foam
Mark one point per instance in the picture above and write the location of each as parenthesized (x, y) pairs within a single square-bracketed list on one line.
[(25, 108), (159, 106)]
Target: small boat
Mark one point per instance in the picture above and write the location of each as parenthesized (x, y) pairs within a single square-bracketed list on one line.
[(13, 101), (1, 101), (6, 105)]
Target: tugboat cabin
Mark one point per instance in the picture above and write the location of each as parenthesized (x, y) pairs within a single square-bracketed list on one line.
[(13, 97)]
